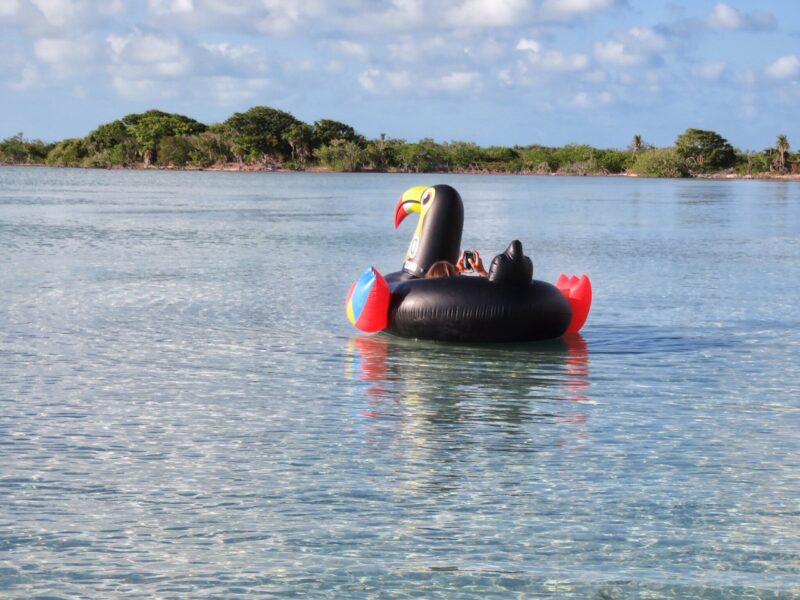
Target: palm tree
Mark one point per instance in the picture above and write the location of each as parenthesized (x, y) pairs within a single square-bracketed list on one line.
[(782, 146), (637, 142)]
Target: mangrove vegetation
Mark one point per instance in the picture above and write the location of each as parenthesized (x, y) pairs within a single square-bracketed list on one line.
[(264, 138)]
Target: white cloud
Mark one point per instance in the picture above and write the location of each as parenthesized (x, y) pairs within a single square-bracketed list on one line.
[(786, 67), (554, 60), (29, 78), (294, 67), (58, 18), (228, 7), (435, 49), (488, 49), (441, 16), (61, 51), (586, 100), (710, 71), (644, 39), (456, 82), (400, 80), (377, 81), (656, 82), (351, 49), (564, 10), (112, 7), (145, 55), (227, 58), (526, 44), (635, 47), (406, 49), (148, 66), (232, 91), (487, 13), (595, 76), (69, 16), (333, 67), (231, 51), (724, 16), (282, 18), (551, 60), (220, 64), (60, 13), (145, 89), (403, 14), (170, 7), (273, 17), (10, 8), (615, 53)]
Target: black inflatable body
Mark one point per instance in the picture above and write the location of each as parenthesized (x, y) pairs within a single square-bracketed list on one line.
[(474, 309), (504, 307)]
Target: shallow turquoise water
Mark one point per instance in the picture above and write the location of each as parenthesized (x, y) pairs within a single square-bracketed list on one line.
[(186, 412)]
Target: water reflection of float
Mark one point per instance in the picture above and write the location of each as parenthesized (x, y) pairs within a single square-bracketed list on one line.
[(506, 306), (383, 372), (434, 410)]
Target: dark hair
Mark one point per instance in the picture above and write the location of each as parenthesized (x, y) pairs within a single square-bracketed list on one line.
[(441, 268)]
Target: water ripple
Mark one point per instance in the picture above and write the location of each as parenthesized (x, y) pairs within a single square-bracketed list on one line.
[(184, 410)]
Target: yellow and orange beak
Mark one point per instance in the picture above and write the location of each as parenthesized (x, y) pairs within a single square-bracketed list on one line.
[(410, 201)]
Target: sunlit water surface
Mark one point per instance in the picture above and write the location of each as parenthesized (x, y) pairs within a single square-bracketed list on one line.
[(186, 412)]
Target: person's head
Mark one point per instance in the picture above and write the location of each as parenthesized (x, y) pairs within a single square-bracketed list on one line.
[(441, 268)]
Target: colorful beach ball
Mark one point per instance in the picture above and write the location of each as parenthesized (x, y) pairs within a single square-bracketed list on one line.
[(368, 302)]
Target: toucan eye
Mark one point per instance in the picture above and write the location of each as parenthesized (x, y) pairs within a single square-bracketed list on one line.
[(426, 198)]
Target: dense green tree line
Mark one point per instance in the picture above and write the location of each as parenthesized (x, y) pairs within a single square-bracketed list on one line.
[(267, 138)]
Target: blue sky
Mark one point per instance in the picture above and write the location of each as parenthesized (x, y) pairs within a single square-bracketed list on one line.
[(490, 71)]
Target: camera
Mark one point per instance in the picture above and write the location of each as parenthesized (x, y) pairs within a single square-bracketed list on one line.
[(468, 256)]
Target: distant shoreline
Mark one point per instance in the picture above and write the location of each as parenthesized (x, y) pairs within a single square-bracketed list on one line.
[(250, 168), (264, 139)]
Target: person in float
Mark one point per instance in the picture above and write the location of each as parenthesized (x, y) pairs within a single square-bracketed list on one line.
[(444, 268)]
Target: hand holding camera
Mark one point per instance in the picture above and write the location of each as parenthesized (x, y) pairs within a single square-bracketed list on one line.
[(470, 261), (469, 257)]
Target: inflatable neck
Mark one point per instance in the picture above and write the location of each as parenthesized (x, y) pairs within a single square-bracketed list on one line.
[(438, 235)]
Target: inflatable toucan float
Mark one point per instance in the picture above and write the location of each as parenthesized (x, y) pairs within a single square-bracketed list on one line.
[(507, 306)]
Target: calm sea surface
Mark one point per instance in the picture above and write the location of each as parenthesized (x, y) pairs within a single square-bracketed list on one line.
[(185, 410)]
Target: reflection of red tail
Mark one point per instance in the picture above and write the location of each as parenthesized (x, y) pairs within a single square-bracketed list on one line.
[(578, 291), (373, 352), (577, 366)]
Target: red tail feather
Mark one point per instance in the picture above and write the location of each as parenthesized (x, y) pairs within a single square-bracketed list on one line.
[(578, 291)]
